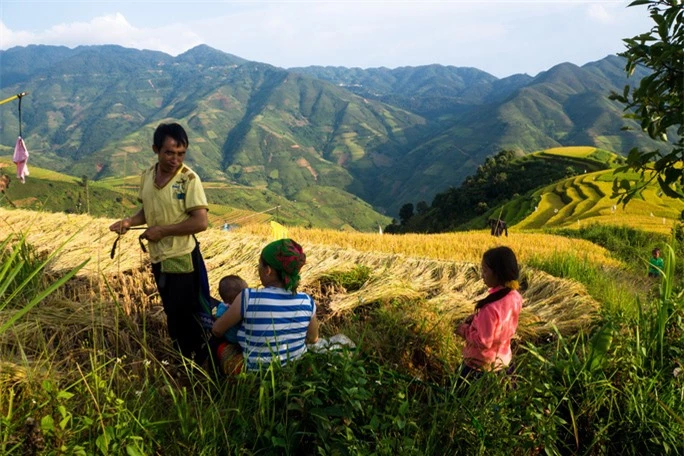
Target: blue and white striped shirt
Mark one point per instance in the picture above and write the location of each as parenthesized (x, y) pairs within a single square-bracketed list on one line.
[(274, 325)]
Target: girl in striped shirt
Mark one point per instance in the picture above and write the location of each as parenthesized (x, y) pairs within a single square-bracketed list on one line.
[(275, 322)]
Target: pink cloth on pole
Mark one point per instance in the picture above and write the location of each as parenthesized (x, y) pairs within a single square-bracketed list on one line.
[(20, 157)]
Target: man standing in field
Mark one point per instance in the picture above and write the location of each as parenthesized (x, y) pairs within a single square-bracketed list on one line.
[(174, 207)]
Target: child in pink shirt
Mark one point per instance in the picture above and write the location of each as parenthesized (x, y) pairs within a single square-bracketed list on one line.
[(489, 330)]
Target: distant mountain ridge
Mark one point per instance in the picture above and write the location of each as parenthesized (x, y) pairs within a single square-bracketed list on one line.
[(387, 136), (426, 90)]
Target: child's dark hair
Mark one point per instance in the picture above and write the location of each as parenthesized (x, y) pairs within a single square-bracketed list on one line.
[(171, 130), (229, 282), (504, 266)]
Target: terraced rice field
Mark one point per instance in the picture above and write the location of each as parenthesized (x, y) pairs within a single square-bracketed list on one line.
[(586, 199), (577, 152)]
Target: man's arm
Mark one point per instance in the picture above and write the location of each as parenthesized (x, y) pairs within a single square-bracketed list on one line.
[(196, 223), (123, 225)]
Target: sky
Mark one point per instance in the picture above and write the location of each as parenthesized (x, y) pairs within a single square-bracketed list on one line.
[(501, 37)]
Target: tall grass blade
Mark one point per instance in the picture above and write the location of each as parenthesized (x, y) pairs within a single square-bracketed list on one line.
[(41, 266), (667, 274), (599, 345), (8, 261), (6, 280), (38, 298)]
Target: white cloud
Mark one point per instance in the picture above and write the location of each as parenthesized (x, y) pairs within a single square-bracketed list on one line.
[(9, 38), (108, 29), (599, 13)]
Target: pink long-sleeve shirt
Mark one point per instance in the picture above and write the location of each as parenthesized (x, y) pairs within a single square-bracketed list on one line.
[(488, 336)]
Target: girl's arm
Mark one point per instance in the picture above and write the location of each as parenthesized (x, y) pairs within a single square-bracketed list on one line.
[(312, 331), (230, 318), (482, 329)]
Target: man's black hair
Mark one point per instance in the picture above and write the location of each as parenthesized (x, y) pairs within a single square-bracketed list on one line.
[(171, 130)]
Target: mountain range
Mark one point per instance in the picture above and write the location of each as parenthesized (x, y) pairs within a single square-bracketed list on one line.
[(386, 136)]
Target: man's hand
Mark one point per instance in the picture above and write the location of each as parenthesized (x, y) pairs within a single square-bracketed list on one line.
[(153, 234), (121, 226)]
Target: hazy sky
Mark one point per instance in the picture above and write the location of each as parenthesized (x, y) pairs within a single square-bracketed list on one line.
[(501, 37)]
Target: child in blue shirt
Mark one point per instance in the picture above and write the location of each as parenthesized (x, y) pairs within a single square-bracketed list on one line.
[(227, 348), (229, 287)]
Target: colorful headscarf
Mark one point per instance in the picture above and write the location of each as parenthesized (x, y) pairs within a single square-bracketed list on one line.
[(286, 257)]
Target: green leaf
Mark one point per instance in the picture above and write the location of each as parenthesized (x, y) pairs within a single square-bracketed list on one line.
[(599, 345), (102, 442), (64, 422), (639, 2), (47, 386), (133, 450), (7, 279), (672, 175), (47, 424), (66, 395), (667, 190), (625, 184), (278, 442)]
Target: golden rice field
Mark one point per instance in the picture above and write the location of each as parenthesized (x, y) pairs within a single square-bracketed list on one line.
[(430, 282), (48, 230), (457, 246)]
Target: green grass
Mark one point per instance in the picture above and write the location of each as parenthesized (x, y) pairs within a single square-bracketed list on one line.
[(615, 289), (631, 245), (575, 395), (619, 290)]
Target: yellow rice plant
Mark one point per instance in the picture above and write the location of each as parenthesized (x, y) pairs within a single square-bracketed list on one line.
[(460, 246), (61, 334)]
